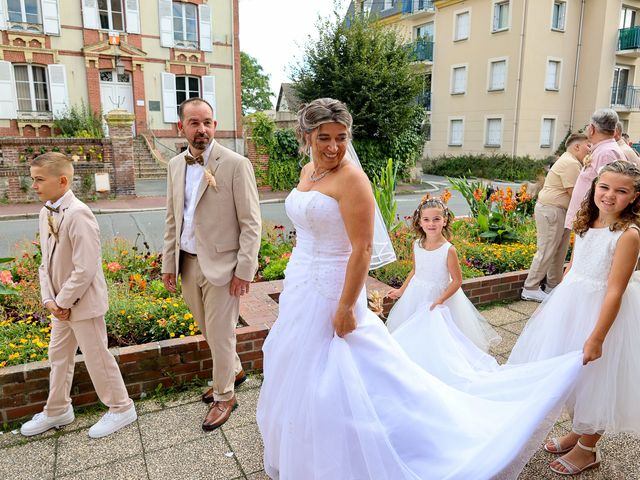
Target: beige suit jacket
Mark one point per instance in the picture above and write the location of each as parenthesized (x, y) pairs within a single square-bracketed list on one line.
[(71, 268), (226, 218)]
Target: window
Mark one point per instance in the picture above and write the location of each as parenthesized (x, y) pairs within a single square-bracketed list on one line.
[(424, 31), (559, 14), (459, 80), (553, 75), (497, 75), (186, 87), (366, 6), (546, 134), (185, 25), (456, 132), (23, 12), (494, 132), (462, 26), (620, 84), (389, 4), (627, 17), (31, 88), (500, 16), (110, 13)]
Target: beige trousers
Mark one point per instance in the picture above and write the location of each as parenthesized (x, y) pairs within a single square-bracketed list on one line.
[(91, 336), (216, 312), (552, 244)]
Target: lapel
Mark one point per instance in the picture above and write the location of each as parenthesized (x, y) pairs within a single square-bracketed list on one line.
[(212, 165), (51, 241), (179, 175)]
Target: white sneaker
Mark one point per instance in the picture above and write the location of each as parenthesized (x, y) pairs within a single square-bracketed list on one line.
[(533, 295), (40, 422), (548, 290), (112, 422)]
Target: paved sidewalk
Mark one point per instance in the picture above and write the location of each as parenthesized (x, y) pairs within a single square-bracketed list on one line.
[(167, 442)]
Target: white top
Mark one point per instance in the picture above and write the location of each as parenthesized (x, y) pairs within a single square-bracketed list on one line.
[(192, 181)]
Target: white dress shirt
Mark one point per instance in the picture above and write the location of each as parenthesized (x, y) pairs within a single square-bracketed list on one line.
[(192, 181)]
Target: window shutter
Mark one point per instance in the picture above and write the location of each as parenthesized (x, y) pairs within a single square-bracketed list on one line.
[(165, 13), (169, 100), (204, 12), (496, 17), (209, 92), (462, 26), (459, 80), (561, 13), (456, 132), (498, 74), (59, 95), (552, 74), (3, 16), (50, 18), (545, 136), (8, 102), (132, 10), (90, 17)]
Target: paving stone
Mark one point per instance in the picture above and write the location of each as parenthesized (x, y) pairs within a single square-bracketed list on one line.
[(507, 343), (245, 414), (78, 452), (201, 459), (146, 406), (523, 306), (9, 439), (258, 476), (515, 327), (130, 469), (246, 443), (183, 399), (498, 316), (172, 426), (39, 456)]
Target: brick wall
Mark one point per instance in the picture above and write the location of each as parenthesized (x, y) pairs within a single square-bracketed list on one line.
[(24, 388), (260, 162)]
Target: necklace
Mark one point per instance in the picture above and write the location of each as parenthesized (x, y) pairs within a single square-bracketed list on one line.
[(317, 178)]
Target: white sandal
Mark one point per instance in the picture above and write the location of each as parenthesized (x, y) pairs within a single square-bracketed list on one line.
[(556, 444), (571, 468)]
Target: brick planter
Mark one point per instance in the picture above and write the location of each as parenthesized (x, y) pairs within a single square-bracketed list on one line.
[(24, 388)]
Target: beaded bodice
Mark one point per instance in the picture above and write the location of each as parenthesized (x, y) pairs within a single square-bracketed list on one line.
[(593, 255)]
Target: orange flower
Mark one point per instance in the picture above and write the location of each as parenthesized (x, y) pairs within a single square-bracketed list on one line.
[(425, 198), (479, 194), (446, 196), (114, 267)]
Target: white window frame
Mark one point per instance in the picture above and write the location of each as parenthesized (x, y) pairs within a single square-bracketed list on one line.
[(189, 44), (556, 87), (417, 28), (187, 77), (490, 88), (32, 90), (15, 25), (624, 11), (552, 133), (456, 14), (110, 14), (366, 6), (388, 5), (452, 89), (450, 121), (564, 19), (485, 136), (496, 4)]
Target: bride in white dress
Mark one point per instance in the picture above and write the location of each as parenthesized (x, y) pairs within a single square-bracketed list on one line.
[(340, 398)]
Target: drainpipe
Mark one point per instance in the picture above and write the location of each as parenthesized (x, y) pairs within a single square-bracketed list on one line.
[(516, 121), (575, 75)]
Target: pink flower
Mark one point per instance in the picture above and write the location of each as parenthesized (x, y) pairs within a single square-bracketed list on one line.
[(6, 278), (286, 255), (114, 267)]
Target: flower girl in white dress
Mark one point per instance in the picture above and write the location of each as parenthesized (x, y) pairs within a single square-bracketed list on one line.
[(435, 279), (596, 307)]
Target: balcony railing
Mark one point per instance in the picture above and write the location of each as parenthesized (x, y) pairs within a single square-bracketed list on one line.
[(424, 99), (627, 97), (415, 6), (421, 50), (629, 38)]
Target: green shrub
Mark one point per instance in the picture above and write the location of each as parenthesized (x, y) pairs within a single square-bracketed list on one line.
[(497, 167), (80, 122)]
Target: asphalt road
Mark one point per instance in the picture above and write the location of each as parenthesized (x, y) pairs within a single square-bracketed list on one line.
[(149, 225)]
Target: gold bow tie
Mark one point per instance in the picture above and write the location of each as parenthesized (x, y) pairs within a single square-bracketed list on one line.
[(192, 160), (52, 209)]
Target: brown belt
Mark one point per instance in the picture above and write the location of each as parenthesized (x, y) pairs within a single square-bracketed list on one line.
[(190, 255)]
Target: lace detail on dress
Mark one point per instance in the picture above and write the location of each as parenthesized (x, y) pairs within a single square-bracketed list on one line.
[(593, 256)]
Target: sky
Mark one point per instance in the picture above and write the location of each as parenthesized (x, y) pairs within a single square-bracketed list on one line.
[(275, 32)]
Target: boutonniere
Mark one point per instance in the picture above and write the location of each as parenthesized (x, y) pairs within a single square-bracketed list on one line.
[(53, 228), (211, 179)]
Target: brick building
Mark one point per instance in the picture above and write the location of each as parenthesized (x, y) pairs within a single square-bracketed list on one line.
[(144, 56)]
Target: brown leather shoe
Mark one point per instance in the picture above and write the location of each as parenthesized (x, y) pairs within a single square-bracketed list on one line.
[(219, 412), (207, 397)]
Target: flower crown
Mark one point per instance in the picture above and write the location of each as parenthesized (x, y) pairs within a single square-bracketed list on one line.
[(440, 202)]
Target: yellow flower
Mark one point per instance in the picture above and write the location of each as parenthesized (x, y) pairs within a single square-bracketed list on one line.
[(181, 336), (33, 355), (172, 334), (188, 316), (122, 312)]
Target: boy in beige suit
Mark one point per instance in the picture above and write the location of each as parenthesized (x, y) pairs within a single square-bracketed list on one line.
[(212, 237), (74, 291)]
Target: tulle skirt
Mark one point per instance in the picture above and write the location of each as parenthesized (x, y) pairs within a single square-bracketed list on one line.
[(419, 296), (606, 396), (358, 407)]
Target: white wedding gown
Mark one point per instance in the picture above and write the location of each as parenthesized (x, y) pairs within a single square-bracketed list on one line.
[(358, 407)]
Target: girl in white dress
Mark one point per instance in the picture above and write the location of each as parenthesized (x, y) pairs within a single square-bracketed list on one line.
[(596, 307), (340, 398), (436, 278)]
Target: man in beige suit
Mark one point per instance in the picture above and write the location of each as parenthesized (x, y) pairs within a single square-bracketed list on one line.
[(629, 153), (74, 291), (212, 237)]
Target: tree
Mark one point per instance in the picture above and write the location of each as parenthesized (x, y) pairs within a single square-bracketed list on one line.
[(256, 95), (370, 69)]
